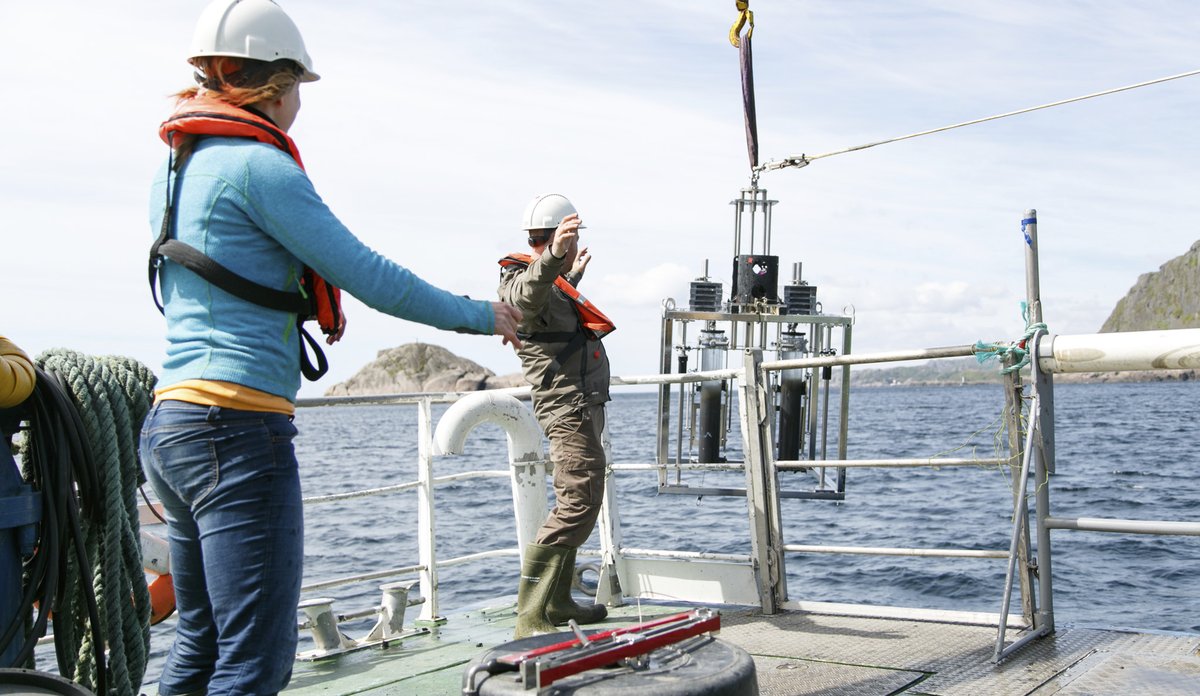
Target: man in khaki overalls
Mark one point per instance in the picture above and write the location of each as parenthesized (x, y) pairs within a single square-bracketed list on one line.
[(564, 360)]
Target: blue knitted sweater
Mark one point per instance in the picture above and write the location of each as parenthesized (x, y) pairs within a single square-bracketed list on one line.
[(250, 207)]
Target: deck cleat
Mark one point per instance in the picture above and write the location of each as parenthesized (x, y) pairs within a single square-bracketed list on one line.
[(327, 636)]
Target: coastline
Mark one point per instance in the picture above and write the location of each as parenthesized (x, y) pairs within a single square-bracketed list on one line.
[(884, 378)]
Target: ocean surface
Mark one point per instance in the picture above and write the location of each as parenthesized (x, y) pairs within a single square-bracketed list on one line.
[(1123, 451)]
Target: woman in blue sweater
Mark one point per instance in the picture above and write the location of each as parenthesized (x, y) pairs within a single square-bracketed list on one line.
[(217, 446)]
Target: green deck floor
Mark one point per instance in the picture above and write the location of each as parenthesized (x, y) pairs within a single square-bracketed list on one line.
[(804, 653)]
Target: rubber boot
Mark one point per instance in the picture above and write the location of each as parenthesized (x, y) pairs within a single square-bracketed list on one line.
[(539, 575), (562, 607)]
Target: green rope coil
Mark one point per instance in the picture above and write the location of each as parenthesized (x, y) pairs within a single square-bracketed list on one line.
[(113, 396), (1018, 349)]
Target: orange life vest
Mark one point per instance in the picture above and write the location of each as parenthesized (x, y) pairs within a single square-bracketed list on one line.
[(317, 299), (591, 319)]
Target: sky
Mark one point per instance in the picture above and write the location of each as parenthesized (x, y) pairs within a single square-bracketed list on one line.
[(435, 123)]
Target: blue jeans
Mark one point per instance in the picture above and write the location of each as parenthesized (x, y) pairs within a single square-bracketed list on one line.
[(231, 488)]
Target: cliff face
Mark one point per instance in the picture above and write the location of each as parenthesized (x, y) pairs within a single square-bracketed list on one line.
[(420, 367), (1168, 298)]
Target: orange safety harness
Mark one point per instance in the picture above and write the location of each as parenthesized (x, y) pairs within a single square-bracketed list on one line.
[(591, 319), (317, 299), (593, 324)]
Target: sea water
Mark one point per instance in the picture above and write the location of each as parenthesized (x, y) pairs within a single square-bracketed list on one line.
[(1123, 451)]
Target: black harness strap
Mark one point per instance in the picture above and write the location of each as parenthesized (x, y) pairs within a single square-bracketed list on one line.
[(204, 266), (574, 339), (164, 247)]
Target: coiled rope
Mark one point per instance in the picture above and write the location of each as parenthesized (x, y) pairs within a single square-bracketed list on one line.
[(81, 454), (1019, 349)]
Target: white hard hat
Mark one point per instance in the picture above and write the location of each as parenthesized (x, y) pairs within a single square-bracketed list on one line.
[(254, 29), (546, 211)]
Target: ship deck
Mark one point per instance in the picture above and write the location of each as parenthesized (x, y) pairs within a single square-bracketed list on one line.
[(810, 653)]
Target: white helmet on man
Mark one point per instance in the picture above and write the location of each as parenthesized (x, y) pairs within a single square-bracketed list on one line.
[(546, 211), (254, 29)]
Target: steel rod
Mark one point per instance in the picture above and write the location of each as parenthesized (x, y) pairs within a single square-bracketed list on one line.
[(889, 551), (793, 465), (1102, 524), (1020, 642), (1020, 517), (687, 555), (868, 358)]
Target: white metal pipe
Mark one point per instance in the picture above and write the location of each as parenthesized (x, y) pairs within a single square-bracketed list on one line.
[(890, 551), (1173, 349), (685, 555), (525, 454), (876, 611), (481, 473), (804, 464), (376, 575), (867, 358), (402, 398), (377, 399), (504, 410), (405, 570), (674, 378), (459, 560), (1102, 524), (687, 466), (426, 523), (366, 492), (786, 465)]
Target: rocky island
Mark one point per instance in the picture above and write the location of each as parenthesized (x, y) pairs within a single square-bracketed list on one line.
[(421, 367)]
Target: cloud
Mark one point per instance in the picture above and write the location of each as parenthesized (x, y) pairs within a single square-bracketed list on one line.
[(647, 287)]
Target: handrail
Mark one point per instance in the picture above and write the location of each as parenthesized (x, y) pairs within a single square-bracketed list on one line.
[(931, 462), (1102, 524), (896, 551), (1130, 351), (870, 358)]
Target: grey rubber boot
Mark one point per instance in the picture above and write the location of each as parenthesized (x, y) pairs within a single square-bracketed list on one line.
[(540, 572), (562, 607)]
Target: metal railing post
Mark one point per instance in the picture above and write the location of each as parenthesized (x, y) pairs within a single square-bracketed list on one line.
[(1017, 464), (1043, 381), (1020, 533), (762, 500), (1043, 460), (426, 548), (612, 560)]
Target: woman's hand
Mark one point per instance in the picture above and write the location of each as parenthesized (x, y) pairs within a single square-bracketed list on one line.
[(335, 337), (507, 319)]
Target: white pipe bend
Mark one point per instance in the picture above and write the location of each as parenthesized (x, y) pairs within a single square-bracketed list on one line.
[(473, 410)]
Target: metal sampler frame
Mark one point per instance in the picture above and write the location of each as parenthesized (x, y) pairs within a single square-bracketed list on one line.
[(692, 429)]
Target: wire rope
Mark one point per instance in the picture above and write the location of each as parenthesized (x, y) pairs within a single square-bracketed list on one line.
[(804, 160)]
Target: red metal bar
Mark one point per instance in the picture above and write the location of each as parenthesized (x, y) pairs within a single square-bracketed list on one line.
[(619, 650), (517, 658)]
